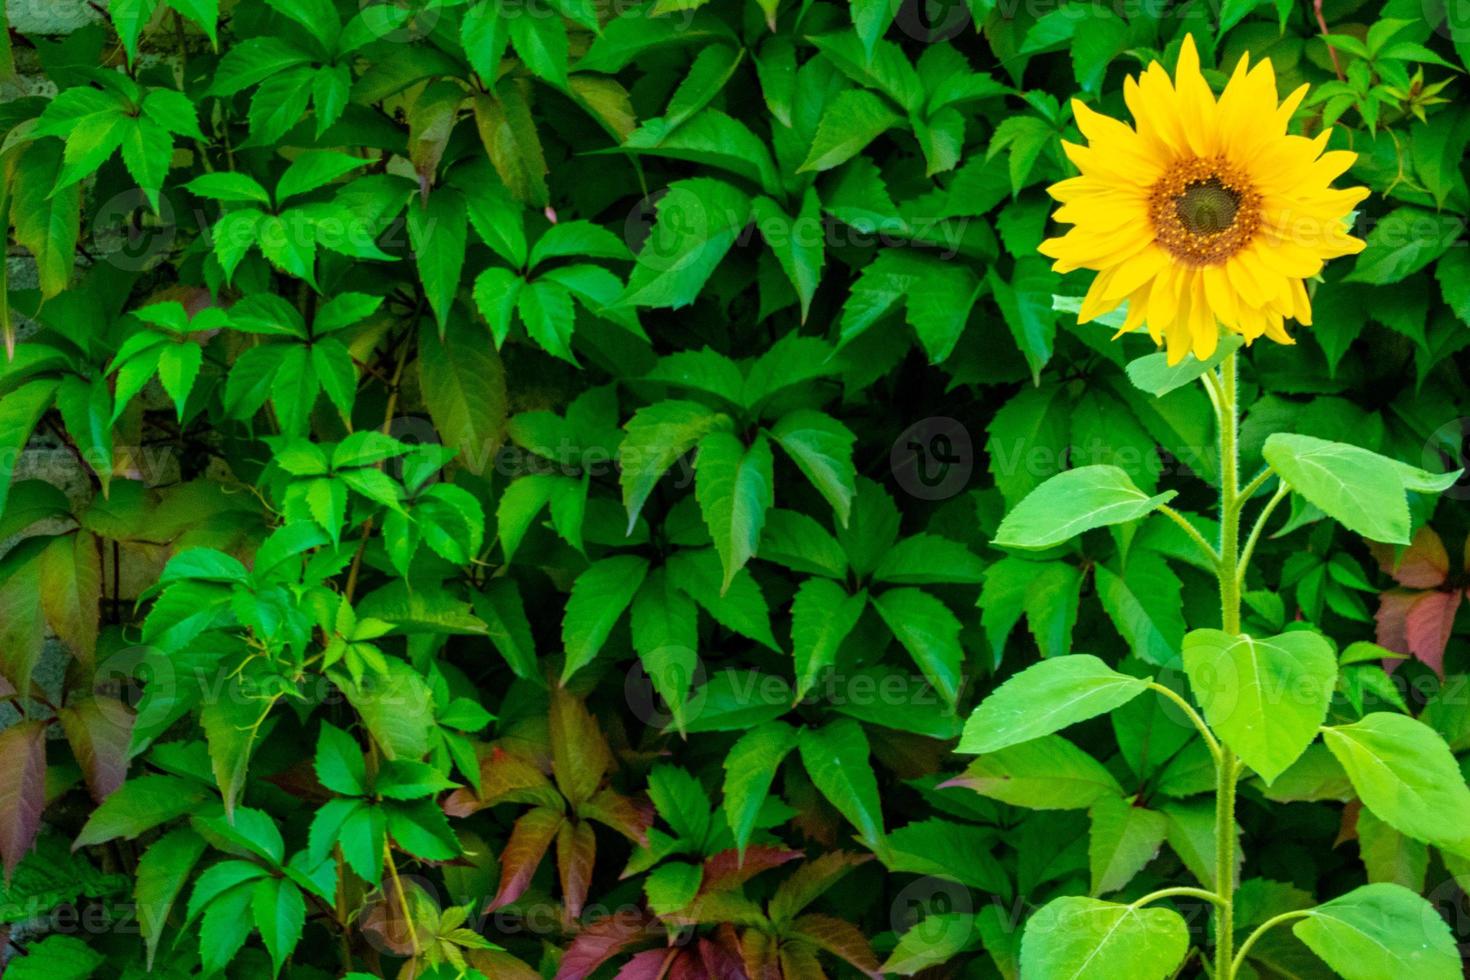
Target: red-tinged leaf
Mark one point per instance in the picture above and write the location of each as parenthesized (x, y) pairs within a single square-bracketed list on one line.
[(761, 955), (720, 954), (799, 962), (809, 881), (22, 789), (99, 730), (1418, 624), (651, 964), (602, 939), (499, 964), (383, 921), (1424, 564), (628, 816), (709, 958), (725, 870), (840, 938), (505, 777), (71, 591), (576, 852), (579, 753), (529, 839)]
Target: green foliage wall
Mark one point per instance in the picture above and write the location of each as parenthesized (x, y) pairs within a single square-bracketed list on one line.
[(512, 488)]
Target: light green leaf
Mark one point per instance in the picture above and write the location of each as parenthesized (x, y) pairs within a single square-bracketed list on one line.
[(1265, 698), (1073, 502), (1405, 773), (1087, 939), (1381, 932), (1047, 773), (1046, 698)]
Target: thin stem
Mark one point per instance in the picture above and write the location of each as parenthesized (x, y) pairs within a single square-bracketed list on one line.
[(340, 908), (1193, 532), (413, 933), (1229, 573), (1193, 716), (1182, 892), (1281, 494), (1261, 930), (1249, 490)]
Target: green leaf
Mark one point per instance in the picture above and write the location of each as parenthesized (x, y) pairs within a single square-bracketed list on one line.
[(46, 215), (339, 762), (437, 231), (850, 122), (1265, 698), (795, 243), (510, 138), (396, 707), (312, 170), (741, 607), (279, 913), (1153, 373), (1404, 772), (1046, 698), (1381, 932), (822, 616), (1359, 489), (1073, 502), (599, 597), (1144, 601), (930, 633), (463, 382), (936, 295), (665, 627), (658, 435), (56, 957), (750, 768), (734, 487), (504, 613), (1087, 939), (231, 724), (545, 308), (1404, 241), (140, 804), (927, 559), (836, 759), (697, 223), (870, 19), (1047, 773), (821, 447), (1124, 838)]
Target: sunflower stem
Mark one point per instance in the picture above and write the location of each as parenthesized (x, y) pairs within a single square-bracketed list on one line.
[(1228, 570)]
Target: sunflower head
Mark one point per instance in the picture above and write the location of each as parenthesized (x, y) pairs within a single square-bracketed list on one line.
[(1205, 213)]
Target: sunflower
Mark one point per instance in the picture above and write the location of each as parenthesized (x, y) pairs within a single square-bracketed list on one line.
[(1206, 212)]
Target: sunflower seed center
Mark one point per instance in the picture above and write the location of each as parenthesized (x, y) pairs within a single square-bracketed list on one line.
[(1207, 208)]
